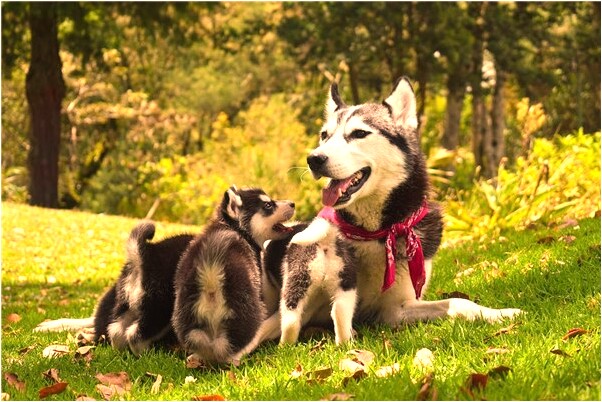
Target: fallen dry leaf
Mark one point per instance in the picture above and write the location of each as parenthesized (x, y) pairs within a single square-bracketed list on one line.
[(193, 362), (26, 350), (559, 352), (213, 397), (5, 397), (52, 374), (573, 332), (455, 295), (53, 351), (499, 372), (84, 350), (339, 396), (387, 371), (105, 391), (568, 239), (156, 385), (13, 380), (297, 372), (351, 366), (189, 380), (477, 381), (319, 375), (424, 359), (506, 330), (84, 398), (85, 337), (13, 318), (358, 375), (53, 389), (364, 357), (113, 383), (427, 391)]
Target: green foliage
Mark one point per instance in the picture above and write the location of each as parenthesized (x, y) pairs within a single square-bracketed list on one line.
[(263, 147), (558, 180)]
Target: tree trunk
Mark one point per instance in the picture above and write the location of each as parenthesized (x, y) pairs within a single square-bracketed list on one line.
[(453, 113), (45, 91), (479, 120), (498, 122)]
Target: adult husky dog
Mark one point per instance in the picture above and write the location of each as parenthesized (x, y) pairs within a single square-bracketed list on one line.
[(377, 196)]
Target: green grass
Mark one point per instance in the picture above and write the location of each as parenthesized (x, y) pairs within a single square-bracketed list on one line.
[(57, 264)]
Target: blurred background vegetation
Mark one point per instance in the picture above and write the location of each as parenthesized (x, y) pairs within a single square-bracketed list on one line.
[(166, 104)]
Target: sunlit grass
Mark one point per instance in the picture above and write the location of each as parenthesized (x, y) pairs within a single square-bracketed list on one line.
[(57, 264)]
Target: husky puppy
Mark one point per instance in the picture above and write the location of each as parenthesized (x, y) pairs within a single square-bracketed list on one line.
[(218, 305), (136, 311), (315, 276)]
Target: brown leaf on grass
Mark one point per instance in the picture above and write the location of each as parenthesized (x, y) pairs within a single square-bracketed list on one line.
[(387, 371), (568, 239), (358, 375), (13, 318), (27, 349), (84, 398), (121, 379), (85, 337), (339, 396), (318, 376), (83, 350), (477, 381), (317, 347), (298, 371), (427, 391), (156, 385), (13, 380), (214, 397), (351, 365), (53, 389), (193, 362), (567, 223), (105, 391), (364, 357), (499, 372), (455, 295), (52, 374), (559, 352), (53, 351), (506, 330), (573, 332)]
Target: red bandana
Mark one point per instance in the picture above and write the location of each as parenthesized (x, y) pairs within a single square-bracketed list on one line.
[(405, 229)]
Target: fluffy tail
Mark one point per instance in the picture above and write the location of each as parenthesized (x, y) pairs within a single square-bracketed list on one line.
[(143, 232)]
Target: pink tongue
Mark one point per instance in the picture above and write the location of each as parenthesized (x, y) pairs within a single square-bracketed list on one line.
[(331, 193)]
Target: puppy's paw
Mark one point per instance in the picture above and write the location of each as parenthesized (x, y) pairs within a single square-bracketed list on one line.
[(495, 316), (316, 231)]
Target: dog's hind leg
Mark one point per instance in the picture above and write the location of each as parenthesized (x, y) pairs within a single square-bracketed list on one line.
[(65, 324), (420, 310), (342, 311)]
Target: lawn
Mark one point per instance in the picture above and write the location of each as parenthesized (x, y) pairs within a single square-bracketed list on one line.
[(58, 263)]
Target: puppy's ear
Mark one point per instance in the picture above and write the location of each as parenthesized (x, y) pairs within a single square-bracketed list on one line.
[(402, 104), (233, 202), (333, 101)]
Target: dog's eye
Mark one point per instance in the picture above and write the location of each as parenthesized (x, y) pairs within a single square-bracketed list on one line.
[(268, 205), (323, 135), (359, 134)]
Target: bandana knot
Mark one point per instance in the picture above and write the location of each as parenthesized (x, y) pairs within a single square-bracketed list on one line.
[(400, 229)]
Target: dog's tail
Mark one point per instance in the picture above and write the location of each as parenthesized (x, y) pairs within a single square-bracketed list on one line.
[(143, 232)]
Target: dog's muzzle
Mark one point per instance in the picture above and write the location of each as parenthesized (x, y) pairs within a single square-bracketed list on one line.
[(316, 162)]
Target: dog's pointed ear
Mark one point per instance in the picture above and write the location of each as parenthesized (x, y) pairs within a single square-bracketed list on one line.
[(402, 104), (232, 202), (333, 101)]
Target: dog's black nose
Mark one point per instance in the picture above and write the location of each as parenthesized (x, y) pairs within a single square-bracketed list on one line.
[(316, 161), (291, 204)]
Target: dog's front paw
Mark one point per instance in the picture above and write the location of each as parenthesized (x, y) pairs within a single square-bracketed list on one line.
[(494, 316), (316, 231)]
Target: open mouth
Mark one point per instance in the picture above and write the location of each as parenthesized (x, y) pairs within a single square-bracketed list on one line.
[(280, 228), (339, 191)]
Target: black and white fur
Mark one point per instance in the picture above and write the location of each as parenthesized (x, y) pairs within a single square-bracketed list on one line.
[(136, 311), (219, 305), (318, 277), (376, 148)]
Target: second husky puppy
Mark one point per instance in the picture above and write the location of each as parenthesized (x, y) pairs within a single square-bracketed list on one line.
[(317, 275), (218, 305)]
